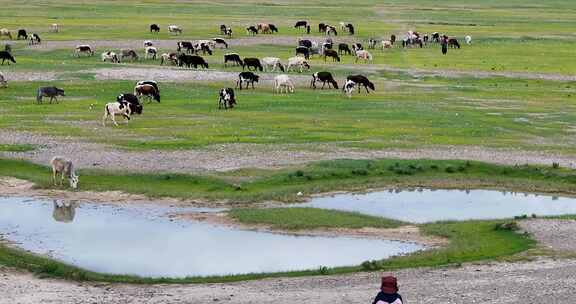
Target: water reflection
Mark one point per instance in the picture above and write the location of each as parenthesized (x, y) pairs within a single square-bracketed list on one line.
[(64, 211)]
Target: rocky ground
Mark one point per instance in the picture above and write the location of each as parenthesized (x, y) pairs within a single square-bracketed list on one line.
[(544, 280)]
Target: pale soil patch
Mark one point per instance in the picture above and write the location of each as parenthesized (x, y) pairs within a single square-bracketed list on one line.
[(558, 235)]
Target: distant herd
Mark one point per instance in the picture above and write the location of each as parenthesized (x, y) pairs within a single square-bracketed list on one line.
[(188, 55)]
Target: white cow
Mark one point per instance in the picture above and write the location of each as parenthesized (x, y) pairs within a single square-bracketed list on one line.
[(297, 61), (175, 29), (151, 52), (283, 81), (273, 63)]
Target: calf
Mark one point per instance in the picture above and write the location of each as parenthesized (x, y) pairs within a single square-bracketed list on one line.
[(233, 57), (361, 80), (154, 28), (192, 60), (22, 34), (52, 92), (331, 53), (343, 48), (5, 55), (147, 90), (254, 63), (120, 108), (83, 48), (248, 78), (227, 98), (325, 77)]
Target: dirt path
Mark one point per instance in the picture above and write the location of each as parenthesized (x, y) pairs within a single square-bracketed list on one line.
[(540, 281)]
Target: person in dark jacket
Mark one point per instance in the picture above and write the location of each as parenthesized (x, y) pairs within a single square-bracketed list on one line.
[(444, 43), (388, 292)]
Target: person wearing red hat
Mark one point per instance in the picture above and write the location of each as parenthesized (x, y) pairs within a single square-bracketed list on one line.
[(388, 292)]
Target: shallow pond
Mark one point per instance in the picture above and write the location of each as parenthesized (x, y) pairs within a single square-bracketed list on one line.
[(425, 205), (141, 241)]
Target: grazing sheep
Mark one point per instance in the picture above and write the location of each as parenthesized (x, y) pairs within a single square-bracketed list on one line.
[(54, 28), (364, 55), (283, 81), (110, 56), (174, 29), (52, 92), (325, 77), (65, 168), (248, 78), (468, 39), (227, 98), (273, 63), (299, 62), (128, 53), (5, 55), (83, 49), (3, 82), (151, 52), (5, 32)]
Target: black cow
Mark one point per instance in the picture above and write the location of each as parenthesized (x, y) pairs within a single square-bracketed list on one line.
[(5, 55), (301, 24), (248, 78), (221, 41), (331, 53), (186, 45), (22, 34), (233, 57), (325, 77), (129, 98), (343, 48), (304, 51), (154, 28), (453, 43), (227, 98), (362, 80), (52, 92), (322, 27), (192, 60), (350, 28), (392, 39), (254, 63), (252, 30), (305, 42)]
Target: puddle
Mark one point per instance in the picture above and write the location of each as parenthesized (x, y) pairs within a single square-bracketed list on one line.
[(141, 241), (424, 205)]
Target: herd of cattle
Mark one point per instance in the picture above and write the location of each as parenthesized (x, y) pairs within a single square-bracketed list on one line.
[(188, 54)]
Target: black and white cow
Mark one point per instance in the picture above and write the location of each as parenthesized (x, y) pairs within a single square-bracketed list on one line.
[(123, 108), (220, 41), (361, 80), (227, 98), (185, 45), (150, 82), (251, 30), (5, 55), (325, 77), (248, 78)]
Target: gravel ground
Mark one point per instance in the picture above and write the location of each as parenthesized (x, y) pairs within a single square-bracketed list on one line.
[(235, 156), (554, 234)]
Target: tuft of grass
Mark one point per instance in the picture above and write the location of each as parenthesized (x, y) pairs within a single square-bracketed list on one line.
[(16, 147), (309, 218)]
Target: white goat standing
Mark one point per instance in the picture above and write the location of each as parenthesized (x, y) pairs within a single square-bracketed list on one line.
[(65, 168)]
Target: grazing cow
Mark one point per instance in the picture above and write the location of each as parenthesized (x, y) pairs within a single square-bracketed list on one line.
[(83, 48), (436, 37), (305, 43), (392, 39), (54, 28), (301, 24), (267, 28), (225, 30), (283, 82), (302, 50), (453, 43), (169, 58), (372, 43), (128, 53), (220, 41), (273, 28), (65, 168), (5, 55), (386, 44), (357, 47), (361, 80), (331, 30), (364, 55), (187, 45), (343, 48), (325, 77), (120, 108), (148, 90), (129, 98), (348, 87), (192, 60), (148, 43), (297, 62), (203, 46), (151, 52), (22, 34), (35, 39), (5, 32), (3, 82), (226, 98), (322, 27), (110, 56), (252, 62), (154, 28), (468, 39), (52, 92), (251, 30), (233, 57), (331, 53), (272, 62), (149, 82), (175, 29), (349, 28), (248, 78)]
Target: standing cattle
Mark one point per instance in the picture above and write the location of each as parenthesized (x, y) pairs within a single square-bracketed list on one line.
[(154, 28), (5, 32), (283, 82), (83, 49), (233, 57), (128, 53), (273, 63), (5, 55), (333, 54), (361, 80), (65, 168), (248, 78), (343, 48), (227, 98), (120, 108), (251, 30), (192, 60), (252, 63), (35, 39), (220, 41), (325, 77), (297, 62), (22, 34), (147, 90), (151, 52), (175, 29), (169, 58), (301, 24), (110, 56), (52, 92)]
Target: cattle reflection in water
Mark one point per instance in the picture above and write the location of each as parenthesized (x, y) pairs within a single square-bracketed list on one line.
[(64, 211)]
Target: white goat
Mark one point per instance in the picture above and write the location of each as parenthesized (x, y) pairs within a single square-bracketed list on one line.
[(283, 81), (297, 61), (272, 62), (65, 168)]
